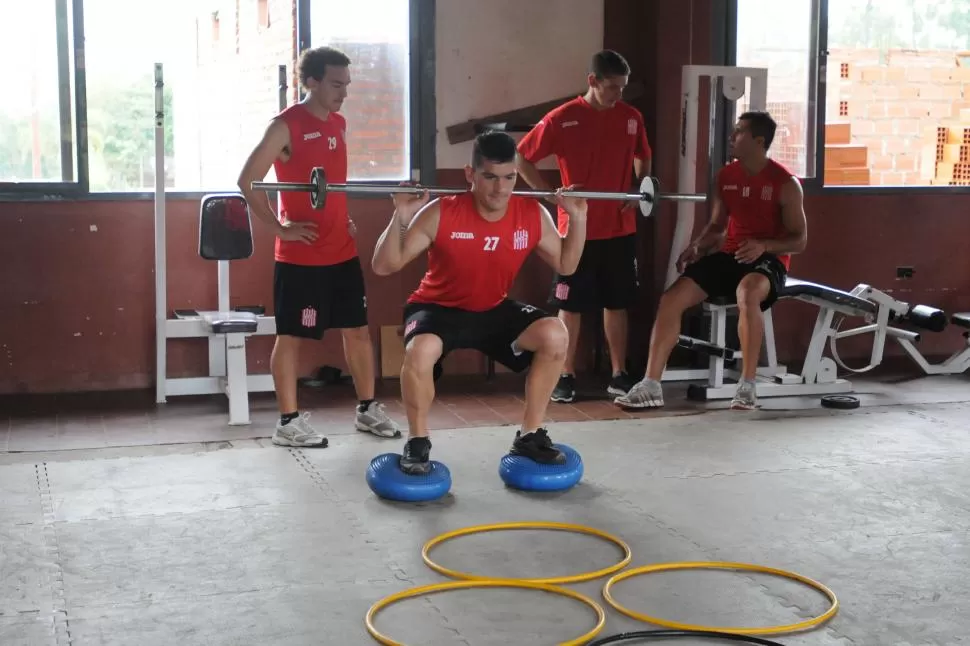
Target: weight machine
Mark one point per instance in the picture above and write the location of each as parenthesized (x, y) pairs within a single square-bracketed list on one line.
[(225, 235)]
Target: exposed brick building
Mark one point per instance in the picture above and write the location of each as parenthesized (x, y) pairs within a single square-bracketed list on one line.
[(241, 44)]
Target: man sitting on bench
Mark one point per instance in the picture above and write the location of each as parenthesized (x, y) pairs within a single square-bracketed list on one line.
[(743, 254)]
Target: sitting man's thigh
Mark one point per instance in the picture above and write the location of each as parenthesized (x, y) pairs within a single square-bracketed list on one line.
[(502, 327), (762, 281), (717, 274)]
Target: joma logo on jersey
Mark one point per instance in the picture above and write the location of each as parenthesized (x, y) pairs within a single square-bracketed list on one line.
[(311, 135), (461, 235)]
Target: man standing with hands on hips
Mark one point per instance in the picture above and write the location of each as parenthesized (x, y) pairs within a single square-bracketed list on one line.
[(600, 143), (318, 281)]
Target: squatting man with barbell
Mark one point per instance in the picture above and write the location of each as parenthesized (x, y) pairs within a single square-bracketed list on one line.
[(476, 243)]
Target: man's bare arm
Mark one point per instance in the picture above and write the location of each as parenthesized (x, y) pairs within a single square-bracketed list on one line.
[(793, 219), (405, 237), (531, 174), (642, 167), (712, 235), (563, 253), (275, 139)]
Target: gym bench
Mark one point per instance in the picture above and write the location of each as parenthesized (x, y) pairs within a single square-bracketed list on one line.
[(818, 375)]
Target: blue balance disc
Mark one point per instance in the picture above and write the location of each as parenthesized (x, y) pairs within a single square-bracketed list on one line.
[(528, 475), (385, 478)]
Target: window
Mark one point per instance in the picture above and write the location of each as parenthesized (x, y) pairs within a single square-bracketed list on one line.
[(786, 52), (92, 130), (900, 115), (375, 34), (38, 125), (894, 104), (221, 89)]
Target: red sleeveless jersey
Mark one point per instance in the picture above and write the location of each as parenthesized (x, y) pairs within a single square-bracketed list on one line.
[(315, 142), (472, 262), (753, 204)]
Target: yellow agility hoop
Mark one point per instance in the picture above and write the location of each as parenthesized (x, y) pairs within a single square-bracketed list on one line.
[(567, 527), (488, 583), (766, 630)]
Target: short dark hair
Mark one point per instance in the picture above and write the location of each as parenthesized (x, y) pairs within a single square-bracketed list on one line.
[(496, 147), (313, 62), (761, 125), (608, 63)]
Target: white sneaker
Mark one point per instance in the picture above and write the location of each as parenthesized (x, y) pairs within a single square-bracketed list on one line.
[(375, 420), (298, 433), (746, 398), (646, 393)]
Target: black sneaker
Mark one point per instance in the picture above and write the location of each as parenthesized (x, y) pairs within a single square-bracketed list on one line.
[(565, 391), (538, 447), (620, 385), (416, 458)]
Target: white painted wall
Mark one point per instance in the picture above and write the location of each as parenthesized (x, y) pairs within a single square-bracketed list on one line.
[(502, 55)]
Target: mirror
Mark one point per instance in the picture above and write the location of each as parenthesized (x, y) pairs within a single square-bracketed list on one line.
[(225, 231)]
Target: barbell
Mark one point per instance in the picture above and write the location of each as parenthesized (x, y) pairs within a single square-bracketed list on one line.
[(318, 187)]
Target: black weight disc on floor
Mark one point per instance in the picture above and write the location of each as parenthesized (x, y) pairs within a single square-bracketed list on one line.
[(844, 402)]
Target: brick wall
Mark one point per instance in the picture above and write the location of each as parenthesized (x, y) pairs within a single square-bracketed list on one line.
[(241, 45), (376, 110), (893, 103)]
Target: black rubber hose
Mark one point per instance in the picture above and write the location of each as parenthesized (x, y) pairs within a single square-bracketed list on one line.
[(674, 634)]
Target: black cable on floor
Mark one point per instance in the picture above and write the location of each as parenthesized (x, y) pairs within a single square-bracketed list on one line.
[(674, 634)]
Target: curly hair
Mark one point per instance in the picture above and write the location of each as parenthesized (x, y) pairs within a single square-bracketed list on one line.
[(313, 63)]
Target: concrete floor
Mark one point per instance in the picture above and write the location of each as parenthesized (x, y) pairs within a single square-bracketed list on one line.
[(239, 542)]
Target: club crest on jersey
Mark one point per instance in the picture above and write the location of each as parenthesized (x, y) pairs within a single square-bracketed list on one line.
[(631, 127), (766, 193), (520, 240)]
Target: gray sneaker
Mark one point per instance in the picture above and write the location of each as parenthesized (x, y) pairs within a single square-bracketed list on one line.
[(646, 393), (375, 420), (298, 433), (746, 398)]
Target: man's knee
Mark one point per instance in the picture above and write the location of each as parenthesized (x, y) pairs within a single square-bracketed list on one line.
[(547, 336), (421, 353), (752, 291), (356, 334), (682, 295)]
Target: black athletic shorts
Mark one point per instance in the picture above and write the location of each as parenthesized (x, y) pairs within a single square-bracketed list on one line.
[(606, 278), (719, 275), (311, 299), (492, 332)]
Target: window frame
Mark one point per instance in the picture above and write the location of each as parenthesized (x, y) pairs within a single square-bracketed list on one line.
[(422, 111), (818, 71), (423, 125), (69, 30)]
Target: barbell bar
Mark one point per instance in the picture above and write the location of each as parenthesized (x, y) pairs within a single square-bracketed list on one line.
[(318, 187)]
